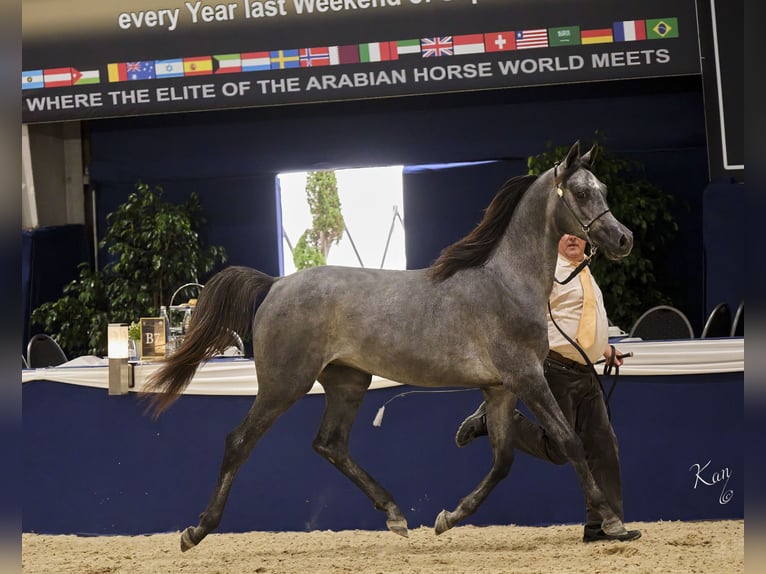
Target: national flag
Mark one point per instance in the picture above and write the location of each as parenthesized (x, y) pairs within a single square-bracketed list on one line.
[(536, 38), (57, 77), (227, 63), (80, 78), (376, 52), (313, 57), (500, 41), (662, 28), (434, 47), (116, 72), (32, 79), (629, 31), (407, 47), (599, 36), (199, 66), (256, 61), (281, 59), (564, 36), (140, 70), (344, 54), (468, 44), (169, 68)]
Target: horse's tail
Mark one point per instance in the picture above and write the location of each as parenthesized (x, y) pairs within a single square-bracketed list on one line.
[(227, 303)]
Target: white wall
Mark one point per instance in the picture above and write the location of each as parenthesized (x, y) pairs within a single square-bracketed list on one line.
[(52, 175)]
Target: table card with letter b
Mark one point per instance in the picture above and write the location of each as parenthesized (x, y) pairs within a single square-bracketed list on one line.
[(153, 342)]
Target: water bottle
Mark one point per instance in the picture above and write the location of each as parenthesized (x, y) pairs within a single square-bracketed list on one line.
[(164, 315), (186, 321)]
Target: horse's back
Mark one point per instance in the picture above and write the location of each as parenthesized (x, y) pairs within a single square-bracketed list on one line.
[(400, 325)]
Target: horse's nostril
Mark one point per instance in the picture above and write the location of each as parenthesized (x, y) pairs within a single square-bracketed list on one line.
[(623, 240)]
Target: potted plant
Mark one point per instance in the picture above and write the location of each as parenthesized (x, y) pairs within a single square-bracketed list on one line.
[(154, 246), (134, 341)]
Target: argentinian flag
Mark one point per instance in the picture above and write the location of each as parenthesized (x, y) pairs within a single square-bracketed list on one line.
[(32, 79)]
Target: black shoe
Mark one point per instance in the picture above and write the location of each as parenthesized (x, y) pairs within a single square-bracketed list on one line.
[(593, 535), (472, 427)]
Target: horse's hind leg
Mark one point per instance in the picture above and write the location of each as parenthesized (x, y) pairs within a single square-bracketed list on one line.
[(500, 405), (266, 408), (344, 390)]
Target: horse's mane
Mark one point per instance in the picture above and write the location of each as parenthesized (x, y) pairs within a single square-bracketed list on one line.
[(476, 247)]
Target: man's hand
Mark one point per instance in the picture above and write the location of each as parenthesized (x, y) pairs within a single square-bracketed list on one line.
[(617, 360)]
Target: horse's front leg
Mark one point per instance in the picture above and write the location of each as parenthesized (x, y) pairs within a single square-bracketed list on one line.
[(540, 400), (500, 405)]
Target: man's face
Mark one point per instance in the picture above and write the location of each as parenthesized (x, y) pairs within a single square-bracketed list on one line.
[(571, 247)]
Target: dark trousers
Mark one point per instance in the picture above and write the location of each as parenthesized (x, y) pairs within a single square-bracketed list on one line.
[(578, 393)]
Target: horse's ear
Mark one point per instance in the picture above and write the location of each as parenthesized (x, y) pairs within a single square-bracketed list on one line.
[(590, 157), (573, 155)]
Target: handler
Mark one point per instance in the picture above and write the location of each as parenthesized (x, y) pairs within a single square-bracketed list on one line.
[(578, 309)]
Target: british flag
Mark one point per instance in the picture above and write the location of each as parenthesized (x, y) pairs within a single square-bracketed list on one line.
[(440, 46)]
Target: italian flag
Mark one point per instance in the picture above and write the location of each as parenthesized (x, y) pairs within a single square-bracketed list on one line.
[(377, 52)]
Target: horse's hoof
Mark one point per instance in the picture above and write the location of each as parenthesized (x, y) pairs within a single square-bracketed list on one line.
[(614, 527), (442, 523), (186, 540), (398, 526)]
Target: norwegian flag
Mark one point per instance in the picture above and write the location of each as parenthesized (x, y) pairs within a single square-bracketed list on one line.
[(312, 57), (432, 47)]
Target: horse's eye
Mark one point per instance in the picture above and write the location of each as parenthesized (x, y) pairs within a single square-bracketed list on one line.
[(580, 194)]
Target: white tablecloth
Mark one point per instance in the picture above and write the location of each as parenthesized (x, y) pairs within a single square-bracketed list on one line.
[(236, 376)]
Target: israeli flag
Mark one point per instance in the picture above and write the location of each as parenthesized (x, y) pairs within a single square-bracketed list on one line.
[(169, 68)]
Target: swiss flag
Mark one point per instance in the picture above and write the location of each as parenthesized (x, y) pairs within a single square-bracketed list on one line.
[(500, 41)]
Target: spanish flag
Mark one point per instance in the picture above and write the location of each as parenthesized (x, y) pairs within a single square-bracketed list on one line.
[(201, 66)]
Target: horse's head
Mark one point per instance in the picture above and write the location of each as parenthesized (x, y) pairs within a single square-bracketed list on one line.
[(583, 210)]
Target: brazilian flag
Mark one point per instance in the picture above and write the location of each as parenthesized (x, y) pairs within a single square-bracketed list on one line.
[(662, 28)]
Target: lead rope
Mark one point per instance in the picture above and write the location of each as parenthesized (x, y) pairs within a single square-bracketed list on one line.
[(607, 366)]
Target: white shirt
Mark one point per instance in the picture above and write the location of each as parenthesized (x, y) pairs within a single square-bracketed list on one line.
[(566, 305)]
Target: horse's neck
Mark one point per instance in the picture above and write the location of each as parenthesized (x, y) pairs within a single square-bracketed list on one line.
[(528, 250)]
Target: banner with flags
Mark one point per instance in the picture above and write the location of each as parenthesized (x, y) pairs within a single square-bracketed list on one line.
[(315, 52)]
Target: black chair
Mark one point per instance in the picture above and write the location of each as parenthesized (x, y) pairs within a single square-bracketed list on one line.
[(44, 351), (718, 323), (662, 322), (738, 325)]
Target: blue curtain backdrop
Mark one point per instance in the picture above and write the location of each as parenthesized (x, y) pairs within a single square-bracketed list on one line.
[(231, 158)]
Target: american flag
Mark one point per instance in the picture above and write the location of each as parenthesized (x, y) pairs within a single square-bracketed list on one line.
[(537, 38), (441, 46)]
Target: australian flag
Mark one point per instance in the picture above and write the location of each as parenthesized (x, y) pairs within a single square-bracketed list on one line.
[(140, 70)]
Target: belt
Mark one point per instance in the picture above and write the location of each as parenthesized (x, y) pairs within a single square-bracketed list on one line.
[(565, 362)]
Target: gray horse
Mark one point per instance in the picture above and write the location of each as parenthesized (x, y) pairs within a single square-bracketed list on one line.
[(475, 318)]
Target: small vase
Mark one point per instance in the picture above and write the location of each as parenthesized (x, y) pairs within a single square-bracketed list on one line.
[(133, 353)]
